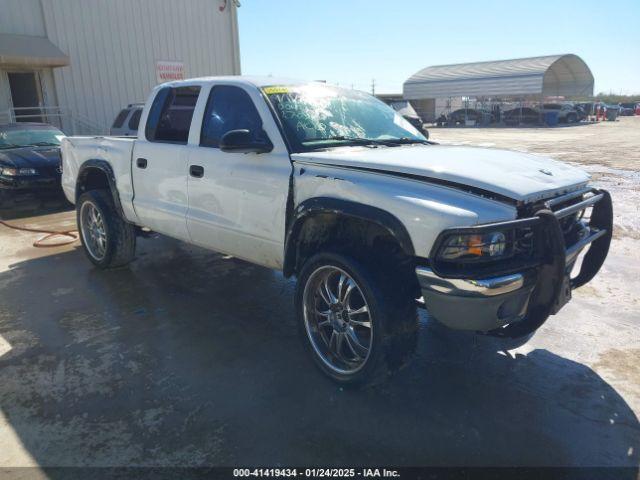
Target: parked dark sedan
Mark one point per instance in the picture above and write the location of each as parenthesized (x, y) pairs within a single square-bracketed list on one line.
[(525, 115), (29, 157), (459, 117)]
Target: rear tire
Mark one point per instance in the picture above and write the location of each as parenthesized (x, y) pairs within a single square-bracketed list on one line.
[(108, 240), (369, 297)]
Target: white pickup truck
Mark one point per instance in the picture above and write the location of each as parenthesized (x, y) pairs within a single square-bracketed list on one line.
[(332, 186)]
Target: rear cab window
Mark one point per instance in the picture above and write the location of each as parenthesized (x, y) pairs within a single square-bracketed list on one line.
[(170, 115)]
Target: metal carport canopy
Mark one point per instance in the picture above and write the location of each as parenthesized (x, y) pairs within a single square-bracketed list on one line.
[(552, 75)]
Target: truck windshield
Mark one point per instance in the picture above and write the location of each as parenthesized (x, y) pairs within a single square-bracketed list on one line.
[(318, 116)]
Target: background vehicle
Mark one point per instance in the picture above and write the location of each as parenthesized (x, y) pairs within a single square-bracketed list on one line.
[(588, 108), (126, 122), (582, 113), (459, 117), (418, 124), (334, 187), (404, 108), (524, 115), (567, 113), (627, 109), (29, 158)]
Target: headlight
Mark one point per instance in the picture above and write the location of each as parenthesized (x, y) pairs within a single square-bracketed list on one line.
[(8, 171), (13, 172), (475, 247)]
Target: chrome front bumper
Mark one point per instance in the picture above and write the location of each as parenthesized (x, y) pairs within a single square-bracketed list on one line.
[(487, 304), (480, 305), (487, 287)]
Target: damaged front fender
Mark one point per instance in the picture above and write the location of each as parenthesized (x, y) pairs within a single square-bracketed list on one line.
[(345, 209)]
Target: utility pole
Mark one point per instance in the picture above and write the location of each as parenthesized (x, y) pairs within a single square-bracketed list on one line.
[(373, 86)]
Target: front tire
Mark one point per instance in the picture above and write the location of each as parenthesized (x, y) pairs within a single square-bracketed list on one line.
[(108, 240), (357, 325)]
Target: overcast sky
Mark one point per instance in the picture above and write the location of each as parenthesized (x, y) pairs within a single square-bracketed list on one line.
[(351, 42)]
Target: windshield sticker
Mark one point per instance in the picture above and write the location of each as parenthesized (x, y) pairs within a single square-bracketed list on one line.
[(274, 90)]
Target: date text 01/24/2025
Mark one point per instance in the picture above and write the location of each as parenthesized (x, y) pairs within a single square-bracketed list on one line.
[(316, 472)]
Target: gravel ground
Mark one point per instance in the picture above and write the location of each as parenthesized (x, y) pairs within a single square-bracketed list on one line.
[(190, 358)]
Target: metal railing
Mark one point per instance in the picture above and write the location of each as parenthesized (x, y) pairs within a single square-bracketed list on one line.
[(69, 122)]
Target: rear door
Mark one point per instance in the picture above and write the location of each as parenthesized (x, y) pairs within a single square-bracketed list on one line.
[(159, 169)]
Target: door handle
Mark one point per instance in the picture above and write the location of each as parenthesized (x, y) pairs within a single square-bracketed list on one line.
[(141, 162), (196, 171)]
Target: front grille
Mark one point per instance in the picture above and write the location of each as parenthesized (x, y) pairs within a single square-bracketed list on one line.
[(583, 217), (49, 171), (524, 243), (574, 227)]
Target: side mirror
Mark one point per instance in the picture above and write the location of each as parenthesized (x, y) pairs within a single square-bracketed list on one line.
[(243, 141)]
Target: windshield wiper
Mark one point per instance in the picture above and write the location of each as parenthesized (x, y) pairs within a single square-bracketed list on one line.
[(45, 144), (342, 138), (406, 141), (389, 142)]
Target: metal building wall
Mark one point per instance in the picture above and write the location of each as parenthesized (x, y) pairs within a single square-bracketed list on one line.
[(113, 46), (19, 17), (5, 96)]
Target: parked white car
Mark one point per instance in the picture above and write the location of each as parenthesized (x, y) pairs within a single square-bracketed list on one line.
[(332, 186)]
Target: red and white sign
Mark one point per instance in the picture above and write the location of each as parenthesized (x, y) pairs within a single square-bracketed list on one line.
[(169, 71)]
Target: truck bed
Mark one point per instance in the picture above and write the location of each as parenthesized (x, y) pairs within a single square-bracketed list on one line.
[(115, 151)]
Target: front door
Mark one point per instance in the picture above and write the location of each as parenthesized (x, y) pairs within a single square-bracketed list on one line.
[(237, 201), (25, 95), (159, 167)]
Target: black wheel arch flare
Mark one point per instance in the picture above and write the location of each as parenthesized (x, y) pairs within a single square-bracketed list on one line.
[(104, 167), (344, 208)]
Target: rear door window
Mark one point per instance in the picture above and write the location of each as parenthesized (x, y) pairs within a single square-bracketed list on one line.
[(171, 113)]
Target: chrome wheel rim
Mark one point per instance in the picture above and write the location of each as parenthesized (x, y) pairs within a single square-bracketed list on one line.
[(337, 320), (93, 230)]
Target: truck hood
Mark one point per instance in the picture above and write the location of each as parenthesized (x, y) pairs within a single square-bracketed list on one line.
[(519, 176)]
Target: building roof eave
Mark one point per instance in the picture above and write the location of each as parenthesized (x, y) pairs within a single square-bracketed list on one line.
[(30, 51)]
